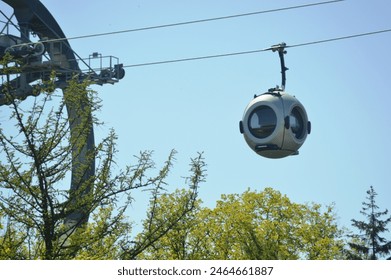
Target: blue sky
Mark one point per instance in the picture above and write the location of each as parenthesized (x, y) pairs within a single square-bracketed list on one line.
[(196, 106)]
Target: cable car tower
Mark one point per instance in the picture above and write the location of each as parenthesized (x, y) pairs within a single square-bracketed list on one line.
[(37, 60)]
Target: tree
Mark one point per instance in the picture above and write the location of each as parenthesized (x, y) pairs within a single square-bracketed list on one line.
[(369, 244), (162, 222), (253, 225), (178, 243), (35, 165)]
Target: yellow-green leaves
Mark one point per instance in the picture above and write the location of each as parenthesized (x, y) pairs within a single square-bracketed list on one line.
[(251, 225)]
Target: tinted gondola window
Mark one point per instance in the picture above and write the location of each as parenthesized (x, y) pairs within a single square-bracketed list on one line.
[(262, 121)]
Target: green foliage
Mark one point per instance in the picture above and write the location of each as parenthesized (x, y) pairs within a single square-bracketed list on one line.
[(253, 225), (10, 241), (100, 239), (175, 243), (39, 156), (369, 244), (168, 213), (48, 145)]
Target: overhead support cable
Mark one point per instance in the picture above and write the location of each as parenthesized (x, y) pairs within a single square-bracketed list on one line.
[(339, 38), (257, 51), (193, 21)]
